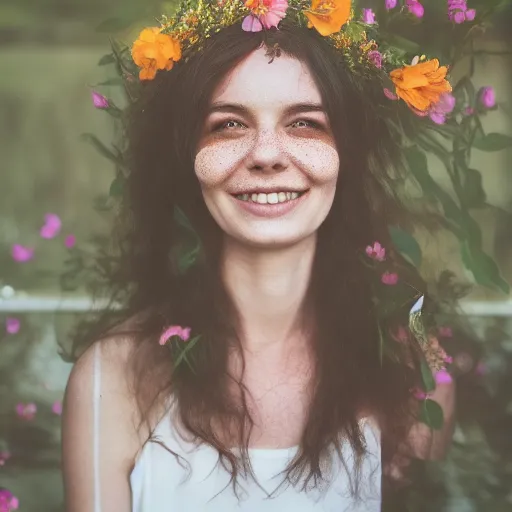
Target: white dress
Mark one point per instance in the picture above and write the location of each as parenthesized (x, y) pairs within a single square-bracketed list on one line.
[(160, 484)]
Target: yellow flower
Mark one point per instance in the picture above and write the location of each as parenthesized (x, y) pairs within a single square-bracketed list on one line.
[(328, 16), (153, 51), (421, 85)]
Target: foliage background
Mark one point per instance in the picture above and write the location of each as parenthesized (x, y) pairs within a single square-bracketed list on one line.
[(50, 50)]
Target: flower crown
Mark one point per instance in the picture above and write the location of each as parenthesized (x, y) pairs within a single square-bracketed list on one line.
[(422, 85)]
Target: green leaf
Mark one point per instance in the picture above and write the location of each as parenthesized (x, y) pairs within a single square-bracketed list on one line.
[(117, 80), (483, 267), (474, 195), (402, 43), (431, 414), (116, 187), (407, 245), (107, 59), (100, 147), (493, 142), (427, 378)]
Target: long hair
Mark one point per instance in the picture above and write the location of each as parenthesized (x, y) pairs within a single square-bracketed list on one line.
[(350, 376)]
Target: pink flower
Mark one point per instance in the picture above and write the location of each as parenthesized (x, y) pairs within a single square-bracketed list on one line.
[(419, 394), (8, 502), (174, 330), (26, 411), (51, 227), (99, 101), (390, 95), (445, 332), (442, 108), (265, 14), (443, 377), (448, 359), (389, 278), (12, 325), (377, 252), (487, 97), (70, 241), (390, 4), (4, 457), (57, 407), (469, 111), (368, 16), (375, 57), (470, 14), (22, 254), (415, 8)]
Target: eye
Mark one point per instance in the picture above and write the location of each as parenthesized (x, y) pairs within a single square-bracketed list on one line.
[(308, 123), (223, 125)]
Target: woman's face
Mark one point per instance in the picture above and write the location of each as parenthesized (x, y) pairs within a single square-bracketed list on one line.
[(267, 161)]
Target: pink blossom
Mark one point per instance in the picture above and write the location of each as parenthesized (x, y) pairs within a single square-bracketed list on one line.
[(4, 457), (390, 94), (70, 241), (375, 57), (487, 97), (470, 14), (419, 394), (443, 377), (469, 111), (445, 332), (57, 407), (174, 330), (389, 278), (442, 108), (275, 12), (99, 101), (26, 411), (390, 4), (8, 502), (368, 16), (51, 227), (21, 253), (448, 359), (12, 325), (377, 252), (415, 8)]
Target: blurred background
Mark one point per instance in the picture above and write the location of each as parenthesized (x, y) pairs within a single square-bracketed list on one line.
[(54, 189)]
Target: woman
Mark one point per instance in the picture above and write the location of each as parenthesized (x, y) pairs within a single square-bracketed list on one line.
[(282, 169)]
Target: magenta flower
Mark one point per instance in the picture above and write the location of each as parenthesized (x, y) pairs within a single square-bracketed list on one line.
[(389, 278), (4, 457), (458, 11), (390, 95), (70, 241), (51, 227), (419, 394), (415, 8), (268, 16), (443, 377), (487, 96), (8, 502), (368, 16), (390, 4), (12, 325), (99, 101), (21, 253), (469, 111), (57, 407), (470, 14), (174, 330), (377, 252), (445, 332), (26, 411), (442, 108), (375, 57)]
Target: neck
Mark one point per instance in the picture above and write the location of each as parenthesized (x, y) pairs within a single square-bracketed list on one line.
[(269, 289)]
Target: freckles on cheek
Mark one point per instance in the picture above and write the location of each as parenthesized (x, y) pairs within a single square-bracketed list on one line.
[(320, 159), (215, 162)]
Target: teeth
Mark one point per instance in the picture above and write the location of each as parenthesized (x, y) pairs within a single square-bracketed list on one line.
[(273, 198)]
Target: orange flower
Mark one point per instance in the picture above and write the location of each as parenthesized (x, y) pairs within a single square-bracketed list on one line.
[(153, 51), (328, 16), (421, 85)]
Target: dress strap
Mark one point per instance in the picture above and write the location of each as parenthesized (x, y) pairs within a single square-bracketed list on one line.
[(96, 431)]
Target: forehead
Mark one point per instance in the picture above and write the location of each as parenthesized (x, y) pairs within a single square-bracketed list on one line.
[(256, 82)]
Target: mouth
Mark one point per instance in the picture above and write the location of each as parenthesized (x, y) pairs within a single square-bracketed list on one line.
[(270, 198)]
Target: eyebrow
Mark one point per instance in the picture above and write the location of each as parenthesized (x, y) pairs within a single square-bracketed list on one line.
[(238, 108)]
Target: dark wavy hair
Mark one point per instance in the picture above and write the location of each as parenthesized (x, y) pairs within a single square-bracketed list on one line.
[(163, 130)]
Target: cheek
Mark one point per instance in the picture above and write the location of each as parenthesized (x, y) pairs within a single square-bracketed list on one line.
[(214, 163), (319, 159)]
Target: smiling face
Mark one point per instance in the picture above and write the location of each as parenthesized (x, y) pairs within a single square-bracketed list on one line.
[(267, 161)]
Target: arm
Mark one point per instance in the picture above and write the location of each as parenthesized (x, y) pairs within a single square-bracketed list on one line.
[(118, 441)]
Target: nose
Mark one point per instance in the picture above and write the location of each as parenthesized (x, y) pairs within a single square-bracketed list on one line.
[(268, 153)]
